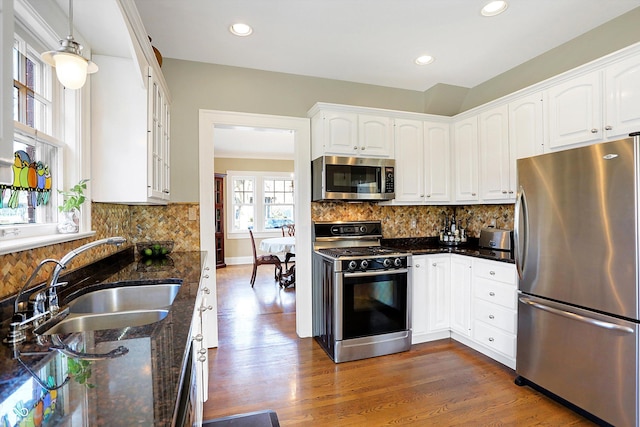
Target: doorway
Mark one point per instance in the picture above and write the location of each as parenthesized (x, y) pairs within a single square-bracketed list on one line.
[(300, 127)]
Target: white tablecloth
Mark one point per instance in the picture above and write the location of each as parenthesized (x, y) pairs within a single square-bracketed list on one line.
[(277, 245)]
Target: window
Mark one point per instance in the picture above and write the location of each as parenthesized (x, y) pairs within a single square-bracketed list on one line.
[(262, 201), (48, 124)]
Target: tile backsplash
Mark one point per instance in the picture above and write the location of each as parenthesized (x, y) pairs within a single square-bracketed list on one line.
[(134, 222), (398, 221)]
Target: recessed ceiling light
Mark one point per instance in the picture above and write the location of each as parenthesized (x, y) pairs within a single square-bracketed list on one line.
[(494, 8), (424, 59), (241, 30)]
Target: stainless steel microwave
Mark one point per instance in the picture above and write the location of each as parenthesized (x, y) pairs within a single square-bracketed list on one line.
[(352, 178)]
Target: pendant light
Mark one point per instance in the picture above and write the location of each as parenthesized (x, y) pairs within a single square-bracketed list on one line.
[(71, 67)]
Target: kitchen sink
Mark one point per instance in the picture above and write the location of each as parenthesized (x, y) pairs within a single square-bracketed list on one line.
[(98, 321), (126, 298), (113, 308)]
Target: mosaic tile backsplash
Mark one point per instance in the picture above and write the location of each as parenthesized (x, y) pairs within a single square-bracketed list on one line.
[(135, 223), (397, 221)]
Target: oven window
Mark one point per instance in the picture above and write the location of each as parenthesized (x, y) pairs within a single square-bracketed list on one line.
[(374, 305), (353, 179)]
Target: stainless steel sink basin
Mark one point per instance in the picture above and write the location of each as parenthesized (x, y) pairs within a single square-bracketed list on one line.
[(99, 321), (126, 298)]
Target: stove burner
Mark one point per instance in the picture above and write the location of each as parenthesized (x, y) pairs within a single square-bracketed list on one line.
[(356, 251)]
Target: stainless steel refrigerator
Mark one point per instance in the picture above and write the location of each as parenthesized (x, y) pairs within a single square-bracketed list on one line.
[(576, 238)]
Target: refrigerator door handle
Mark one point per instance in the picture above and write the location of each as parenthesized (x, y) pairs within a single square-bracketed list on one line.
[(518, 223), (576, 316)]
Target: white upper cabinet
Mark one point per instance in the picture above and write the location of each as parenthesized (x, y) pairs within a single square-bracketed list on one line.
[(601, 105), (622, 100), (422, 161), (410, 167), (130, 140), (437, 161), (526, 131), (375, 136), (348, 132), (465, 154), (574, 111), (495, 165)]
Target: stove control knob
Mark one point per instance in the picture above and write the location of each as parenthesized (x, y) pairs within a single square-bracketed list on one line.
[(387, 262), (363, 229), (364, 264), (397, 262), (352, 265)]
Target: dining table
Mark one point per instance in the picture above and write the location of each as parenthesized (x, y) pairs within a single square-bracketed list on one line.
[(282, 245)]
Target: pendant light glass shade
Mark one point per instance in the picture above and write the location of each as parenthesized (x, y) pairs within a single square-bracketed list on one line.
[(71, 67)]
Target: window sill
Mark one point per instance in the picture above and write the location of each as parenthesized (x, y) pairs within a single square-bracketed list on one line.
[(17, 245)]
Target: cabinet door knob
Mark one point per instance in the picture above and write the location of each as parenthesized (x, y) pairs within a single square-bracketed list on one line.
[(355, 147), (594, 130), (199, 337), (492, 294), (203, 308), (362, 148), (504, 191), (491, 316), (206, 291), (202, 351), (608, 128), (473, 194), (206, 276), (202, 358), (417, 265), (428, 195), (434, 264), (491, 339), (493, 273)]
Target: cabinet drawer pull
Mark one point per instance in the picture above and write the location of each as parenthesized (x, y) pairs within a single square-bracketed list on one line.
[(206, 291), (199, 337), (493, 273), (202, 358), (206, 276), (594, 130), (203, 308), (492, 294), (491, 339), (491, 316), (202, 351), (434, 264), (355, 147), (608, 128)]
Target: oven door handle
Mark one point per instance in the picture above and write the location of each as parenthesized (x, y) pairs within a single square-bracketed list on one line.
[(375, 273)]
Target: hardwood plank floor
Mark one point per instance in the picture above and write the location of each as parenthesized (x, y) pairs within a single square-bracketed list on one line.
[(261, 364)]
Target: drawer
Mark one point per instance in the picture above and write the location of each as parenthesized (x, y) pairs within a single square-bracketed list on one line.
[(496, 316), (495, 339), (495, 292), (493, 270)]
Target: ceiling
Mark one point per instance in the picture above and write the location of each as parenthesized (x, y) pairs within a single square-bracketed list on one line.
[(364, 41), (372, 41)]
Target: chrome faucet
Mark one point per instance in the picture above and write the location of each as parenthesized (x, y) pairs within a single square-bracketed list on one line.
[(62, 264)]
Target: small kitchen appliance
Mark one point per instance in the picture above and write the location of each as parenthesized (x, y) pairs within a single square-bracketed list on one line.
[(496, 242), (361, 292), (352, 178)]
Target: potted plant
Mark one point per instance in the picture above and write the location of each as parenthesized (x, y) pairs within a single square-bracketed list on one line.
[(70, 208)]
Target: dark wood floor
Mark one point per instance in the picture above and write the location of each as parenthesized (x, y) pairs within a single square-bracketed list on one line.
[(261, 364)]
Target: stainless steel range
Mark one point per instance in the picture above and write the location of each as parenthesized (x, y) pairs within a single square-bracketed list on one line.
[(361, 292)]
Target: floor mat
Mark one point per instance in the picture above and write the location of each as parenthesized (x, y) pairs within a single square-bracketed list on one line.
[(252, 419)]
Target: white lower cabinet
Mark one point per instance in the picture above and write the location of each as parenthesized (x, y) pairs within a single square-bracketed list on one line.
[(494, 306), (471, 300), (430, 304), (461, 294)]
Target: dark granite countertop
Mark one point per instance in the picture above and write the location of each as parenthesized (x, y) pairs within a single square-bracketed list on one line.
[(138, 388), (431, 245)]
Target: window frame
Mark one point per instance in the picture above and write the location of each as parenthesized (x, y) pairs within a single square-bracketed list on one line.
[(259, 205), (68, 127)]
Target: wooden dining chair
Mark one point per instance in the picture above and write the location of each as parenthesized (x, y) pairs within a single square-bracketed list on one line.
[(288, 230), (264, 259)]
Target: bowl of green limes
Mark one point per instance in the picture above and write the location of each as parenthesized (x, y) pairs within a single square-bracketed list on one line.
[(156, 249)]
